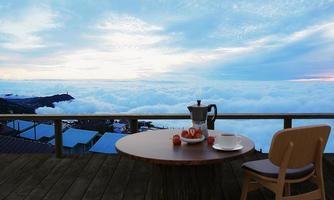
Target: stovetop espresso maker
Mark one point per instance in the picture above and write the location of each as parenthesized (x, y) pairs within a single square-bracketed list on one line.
[(199, 116)]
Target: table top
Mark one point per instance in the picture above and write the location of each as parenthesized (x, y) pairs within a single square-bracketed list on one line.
[(157, 147)]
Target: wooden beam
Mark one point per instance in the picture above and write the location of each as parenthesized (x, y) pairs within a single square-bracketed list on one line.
[(168, 116), (58, 138), (133, 125), (287, 123)]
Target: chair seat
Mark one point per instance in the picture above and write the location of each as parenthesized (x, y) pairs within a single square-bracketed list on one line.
[(268, 169)]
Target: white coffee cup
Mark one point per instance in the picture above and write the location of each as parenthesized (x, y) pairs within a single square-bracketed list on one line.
[(228, 141)]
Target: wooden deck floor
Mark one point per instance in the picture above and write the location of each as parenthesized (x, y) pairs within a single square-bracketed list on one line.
[(97, 176)]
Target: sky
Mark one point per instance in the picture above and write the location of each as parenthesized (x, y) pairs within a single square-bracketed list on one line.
[(167, 40)]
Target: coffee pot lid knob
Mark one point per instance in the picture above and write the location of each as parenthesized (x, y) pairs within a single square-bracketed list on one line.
[(198, 102)]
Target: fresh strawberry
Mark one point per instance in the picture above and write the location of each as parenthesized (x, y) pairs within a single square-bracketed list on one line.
[(198, 133), (192, 132), (185, 134), (176, 140), (211, 140)]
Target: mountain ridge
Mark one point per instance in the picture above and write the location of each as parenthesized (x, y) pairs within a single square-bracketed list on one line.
[(29, 105)]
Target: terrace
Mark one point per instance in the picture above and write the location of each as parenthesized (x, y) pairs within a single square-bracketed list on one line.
[(112, 176)]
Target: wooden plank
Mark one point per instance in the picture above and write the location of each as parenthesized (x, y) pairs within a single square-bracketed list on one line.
[(138, 182), (14, 167), (328, 167), (100, 182), (167, 116), (154, 183), (287, 123), (230, 183), (129, 177), (185, 182), (78, 188), (119, 181), (43, 188), (17, 178), (33, 181), (7, 159), (65, 182), (133, 125), (58, 138)]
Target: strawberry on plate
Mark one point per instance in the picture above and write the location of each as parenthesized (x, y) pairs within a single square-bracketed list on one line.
[(185, 134), (192, 132), (198, 133), (192, 136)]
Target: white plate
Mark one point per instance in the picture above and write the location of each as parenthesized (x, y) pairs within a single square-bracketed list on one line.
[(191, 141), (221, 148)]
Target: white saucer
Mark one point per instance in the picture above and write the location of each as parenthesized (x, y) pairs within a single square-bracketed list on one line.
[(221, 148), (191, 141)]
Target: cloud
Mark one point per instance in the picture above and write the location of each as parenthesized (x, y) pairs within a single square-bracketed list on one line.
[(93, 97), (120, 31), (80, 106), (122, 52), (125, 23), (316, 78), (22, 32), (124, 47)]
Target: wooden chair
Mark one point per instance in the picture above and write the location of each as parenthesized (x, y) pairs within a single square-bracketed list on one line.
[(295, 155)]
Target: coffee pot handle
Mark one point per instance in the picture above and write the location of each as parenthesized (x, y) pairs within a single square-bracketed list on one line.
[(215, 111)]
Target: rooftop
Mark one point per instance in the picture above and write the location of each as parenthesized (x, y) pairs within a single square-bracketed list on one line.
[(19, 145)]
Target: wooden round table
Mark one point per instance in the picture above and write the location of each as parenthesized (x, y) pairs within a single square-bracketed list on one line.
[(188, 171)]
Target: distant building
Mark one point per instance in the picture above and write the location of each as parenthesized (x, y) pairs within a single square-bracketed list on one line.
[(119, 127)]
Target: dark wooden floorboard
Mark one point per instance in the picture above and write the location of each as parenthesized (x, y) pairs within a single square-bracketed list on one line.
[(68, 178), (34, 180), (78, 188), (329, 176), (96, 176), (138, 182), (230, 185), (51, 179), (21, 175), (14, 167), (7, 159), (118, 183), (100, 182)]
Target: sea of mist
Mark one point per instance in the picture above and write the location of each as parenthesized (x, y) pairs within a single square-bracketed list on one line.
[(96, 97)]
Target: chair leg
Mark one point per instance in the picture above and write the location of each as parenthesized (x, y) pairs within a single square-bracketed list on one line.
[(279, 191), (245, 188), (287, 189), (321, 185), (278, 197)]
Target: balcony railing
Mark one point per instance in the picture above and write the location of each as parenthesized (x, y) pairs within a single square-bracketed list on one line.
[(133, 119)]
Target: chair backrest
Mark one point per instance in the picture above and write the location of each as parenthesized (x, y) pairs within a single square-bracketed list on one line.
[(306, 141)]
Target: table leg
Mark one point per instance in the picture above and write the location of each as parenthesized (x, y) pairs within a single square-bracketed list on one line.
[(186, 182)]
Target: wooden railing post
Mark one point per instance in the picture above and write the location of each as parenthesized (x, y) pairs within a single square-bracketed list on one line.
[(211, 124), (58, 138), (287, 123), (134, 125)]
